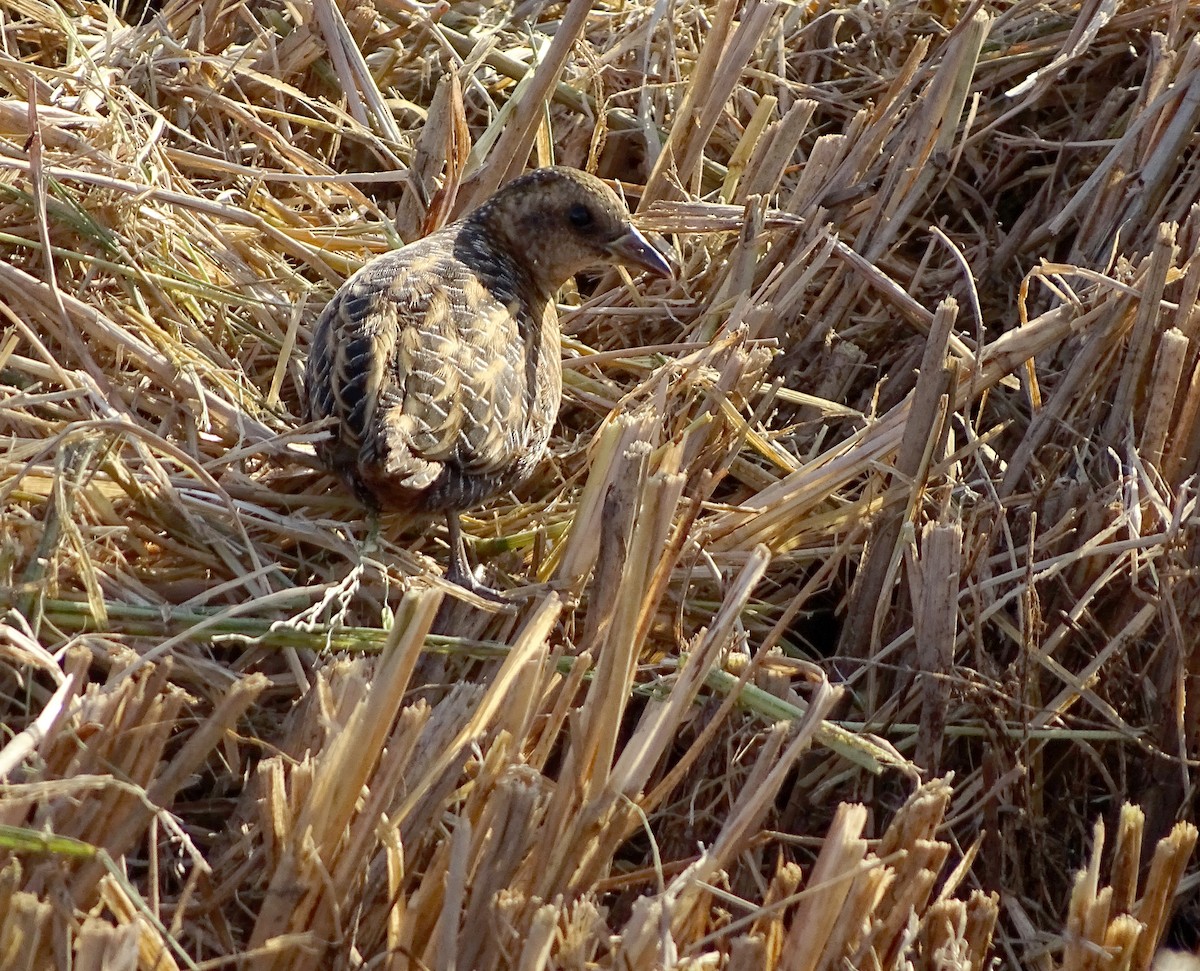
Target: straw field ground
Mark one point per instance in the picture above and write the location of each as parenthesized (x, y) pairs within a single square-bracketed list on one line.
[(854, 611)]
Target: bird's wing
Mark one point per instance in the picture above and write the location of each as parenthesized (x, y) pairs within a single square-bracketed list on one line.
[(345, 368)]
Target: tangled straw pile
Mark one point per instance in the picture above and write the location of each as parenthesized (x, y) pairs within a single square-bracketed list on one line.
[(860, 591)]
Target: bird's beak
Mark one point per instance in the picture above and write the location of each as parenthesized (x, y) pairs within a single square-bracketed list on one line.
[(633, 249)]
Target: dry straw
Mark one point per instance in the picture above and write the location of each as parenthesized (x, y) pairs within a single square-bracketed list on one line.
[(855, 604)]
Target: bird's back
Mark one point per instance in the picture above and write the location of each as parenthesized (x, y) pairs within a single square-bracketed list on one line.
[(440, 366)]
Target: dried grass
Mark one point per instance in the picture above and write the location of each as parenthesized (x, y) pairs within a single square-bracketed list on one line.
[(861, 585)]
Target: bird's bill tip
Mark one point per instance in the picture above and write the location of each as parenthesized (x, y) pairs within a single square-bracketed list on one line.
[(634, 249)]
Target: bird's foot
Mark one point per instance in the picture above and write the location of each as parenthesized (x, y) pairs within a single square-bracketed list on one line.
[(472, 584), (459, 571)]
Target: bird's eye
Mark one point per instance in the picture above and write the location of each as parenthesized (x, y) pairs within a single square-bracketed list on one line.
[(580, 215)]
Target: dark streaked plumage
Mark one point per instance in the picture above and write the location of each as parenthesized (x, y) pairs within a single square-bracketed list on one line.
[(440, 361)]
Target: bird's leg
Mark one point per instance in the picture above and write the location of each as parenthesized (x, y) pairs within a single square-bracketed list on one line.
[(370, 544), (459, 571)]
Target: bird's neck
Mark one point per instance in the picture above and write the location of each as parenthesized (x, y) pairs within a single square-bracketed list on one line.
[(502, 262)]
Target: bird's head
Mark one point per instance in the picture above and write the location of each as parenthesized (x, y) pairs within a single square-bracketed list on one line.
[(560, 220)]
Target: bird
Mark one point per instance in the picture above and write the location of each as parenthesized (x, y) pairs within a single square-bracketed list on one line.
[(438, 365)]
